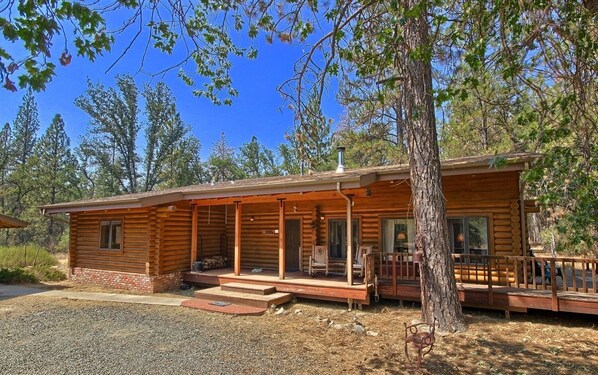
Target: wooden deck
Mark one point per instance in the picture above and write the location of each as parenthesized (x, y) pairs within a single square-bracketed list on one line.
[(330, 288), (510, 283), (502, 298)]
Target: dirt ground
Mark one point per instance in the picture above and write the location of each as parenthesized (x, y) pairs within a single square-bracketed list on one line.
[(534, 343)]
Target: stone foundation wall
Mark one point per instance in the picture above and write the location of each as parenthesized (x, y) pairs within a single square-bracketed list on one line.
[(128, 281)]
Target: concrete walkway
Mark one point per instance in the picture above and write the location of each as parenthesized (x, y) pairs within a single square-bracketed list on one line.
[(7, 291)]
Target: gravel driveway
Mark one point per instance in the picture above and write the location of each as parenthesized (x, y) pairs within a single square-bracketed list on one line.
[(50, 336)]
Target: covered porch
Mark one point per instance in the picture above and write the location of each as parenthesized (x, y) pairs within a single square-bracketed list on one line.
[(276, 234)]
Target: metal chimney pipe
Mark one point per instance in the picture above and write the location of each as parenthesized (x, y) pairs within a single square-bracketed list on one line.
[(341, 159)]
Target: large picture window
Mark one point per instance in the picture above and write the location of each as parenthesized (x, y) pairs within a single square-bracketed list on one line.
[(337, 237), (469, 235), (111, 235), (398, 235)]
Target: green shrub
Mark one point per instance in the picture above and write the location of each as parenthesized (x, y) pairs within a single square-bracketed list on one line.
[(27, 255), (45, 273), (16, 276)]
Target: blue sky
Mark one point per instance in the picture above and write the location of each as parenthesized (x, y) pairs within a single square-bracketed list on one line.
[(259, 110)]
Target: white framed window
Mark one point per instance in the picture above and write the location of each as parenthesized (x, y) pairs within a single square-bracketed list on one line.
[(398, 235)]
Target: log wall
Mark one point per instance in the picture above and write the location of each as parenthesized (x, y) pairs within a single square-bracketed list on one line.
[(176, 242), (493, 195), (157, 240), (84, 245)]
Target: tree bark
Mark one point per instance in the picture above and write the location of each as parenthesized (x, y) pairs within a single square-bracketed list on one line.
[(439, 295)]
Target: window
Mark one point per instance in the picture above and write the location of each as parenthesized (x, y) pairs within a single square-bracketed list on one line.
[(110, 234), (398, 235), (469, 235), (337, 237)]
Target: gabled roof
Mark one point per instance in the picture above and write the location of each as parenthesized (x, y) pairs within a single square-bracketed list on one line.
[(11, 222), (322, 181)]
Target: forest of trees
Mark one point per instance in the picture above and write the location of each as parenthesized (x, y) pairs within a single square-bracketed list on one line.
[(145, 145), (136, 141)]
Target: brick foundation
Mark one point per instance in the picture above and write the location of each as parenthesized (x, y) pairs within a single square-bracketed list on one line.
[(137, 282)]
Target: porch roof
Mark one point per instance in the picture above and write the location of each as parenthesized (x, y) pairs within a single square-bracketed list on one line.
[(11, 222), (323, 181)]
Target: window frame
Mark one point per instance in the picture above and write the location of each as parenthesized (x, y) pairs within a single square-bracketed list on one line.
[(410, 249), (112, 222), (355, 233), (466, 248)]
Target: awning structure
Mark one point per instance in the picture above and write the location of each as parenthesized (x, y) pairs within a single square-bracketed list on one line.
[(11, 222)]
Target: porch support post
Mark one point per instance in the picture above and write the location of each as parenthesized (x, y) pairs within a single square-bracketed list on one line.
[(349, 241), (281, 240), (237, 238), (194, 236), (349, 267)]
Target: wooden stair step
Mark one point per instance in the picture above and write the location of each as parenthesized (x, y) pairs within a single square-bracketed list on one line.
[(249, 288), (240, 298)]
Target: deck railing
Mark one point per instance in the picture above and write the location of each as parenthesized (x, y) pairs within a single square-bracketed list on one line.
[(525, 272)]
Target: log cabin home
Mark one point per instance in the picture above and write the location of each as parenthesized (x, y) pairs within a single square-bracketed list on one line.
[(263, 231)]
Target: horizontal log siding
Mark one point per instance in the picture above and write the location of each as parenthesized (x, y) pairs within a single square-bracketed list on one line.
[(176, 252), (211, 226), (87, 254), (494, 195)]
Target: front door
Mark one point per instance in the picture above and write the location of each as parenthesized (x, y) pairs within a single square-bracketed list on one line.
[(292, 244)]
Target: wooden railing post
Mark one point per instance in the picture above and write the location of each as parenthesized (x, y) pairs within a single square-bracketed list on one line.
[(489, 281), (394, 274), (555, 297)]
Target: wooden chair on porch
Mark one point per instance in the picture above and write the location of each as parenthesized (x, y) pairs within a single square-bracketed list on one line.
[(359, 263), (318, 261)]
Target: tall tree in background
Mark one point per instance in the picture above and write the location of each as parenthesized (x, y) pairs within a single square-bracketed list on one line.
[(6, 157), (19, 185), (183, 166), (53, 171), (255, 160), (221, 163), (114, 162), (25, 129), (165, 140), (309, 147), (114, 128)]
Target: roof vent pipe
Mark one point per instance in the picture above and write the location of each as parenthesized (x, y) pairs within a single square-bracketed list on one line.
[(341, 159)]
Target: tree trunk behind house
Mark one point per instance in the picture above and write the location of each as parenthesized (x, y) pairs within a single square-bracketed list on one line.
[(438, 286)]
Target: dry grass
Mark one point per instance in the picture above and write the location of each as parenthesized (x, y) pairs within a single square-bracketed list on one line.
[(536, 343)]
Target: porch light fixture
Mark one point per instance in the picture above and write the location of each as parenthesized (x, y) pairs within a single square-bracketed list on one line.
[(252, 219), (295, 208), (322, 218)]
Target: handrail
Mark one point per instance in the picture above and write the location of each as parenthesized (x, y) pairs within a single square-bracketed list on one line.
[(526, 272)]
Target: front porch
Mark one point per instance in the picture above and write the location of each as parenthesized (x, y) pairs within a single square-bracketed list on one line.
[(300, 284)]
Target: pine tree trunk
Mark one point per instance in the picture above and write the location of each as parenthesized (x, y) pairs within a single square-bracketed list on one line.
[(438, 286)]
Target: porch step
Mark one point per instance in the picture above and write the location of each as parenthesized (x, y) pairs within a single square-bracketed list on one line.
[(249, 288), (241, 298)]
